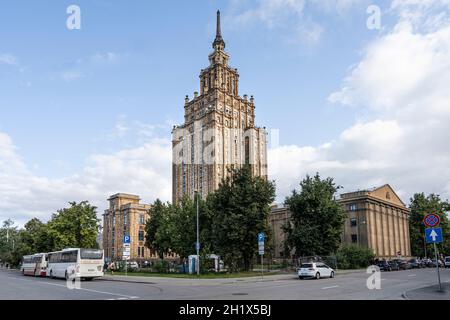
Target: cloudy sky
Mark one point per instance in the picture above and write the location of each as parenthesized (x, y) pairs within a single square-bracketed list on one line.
[(88, 113)]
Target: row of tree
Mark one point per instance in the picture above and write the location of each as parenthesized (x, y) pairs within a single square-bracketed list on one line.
[(420, 206), (229, 218), (229, 221), (76, 226)]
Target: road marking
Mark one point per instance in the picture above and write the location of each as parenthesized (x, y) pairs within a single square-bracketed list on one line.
[(84, 289), (330, 287), (411, 275)]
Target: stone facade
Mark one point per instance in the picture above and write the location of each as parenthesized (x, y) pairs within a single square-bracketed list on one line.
[(279, 217), (125, 216), (377, 219), (219, 130)]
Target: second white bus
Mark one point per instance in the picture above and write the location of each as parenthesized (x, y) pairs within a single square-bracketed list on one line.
[(35, 265), (76, 263)]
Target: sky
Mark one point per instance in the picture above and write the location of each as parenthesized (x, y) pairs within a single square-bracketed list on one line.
[(88, 113)]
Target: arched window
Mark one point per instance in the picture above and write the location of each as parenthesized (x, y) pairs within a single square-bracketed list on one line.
[(247, 150)]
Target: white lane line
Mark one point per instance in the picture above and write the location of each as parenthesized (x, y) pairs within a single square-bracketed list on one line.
[(411, 275), (90, 290), (84, 289), (330, 287)]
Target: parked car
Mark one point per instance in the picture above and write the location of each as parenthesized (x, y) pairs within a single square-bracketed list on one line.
[(415, 263), (395, 266), (384, 266), (434, 263), (403, 264), (132, 265), (447, 262), (315, 270)]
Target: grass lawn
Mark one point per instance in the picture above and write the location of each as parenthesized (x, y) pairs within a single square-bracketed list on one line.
[(193, 276)]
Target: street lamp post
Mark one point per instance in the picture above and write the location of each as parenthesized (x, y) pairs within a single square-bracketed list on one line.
[(198, 238)]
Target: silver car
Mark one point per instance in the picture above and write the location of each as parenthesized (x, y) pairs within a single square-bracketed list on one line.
[(315, 270)]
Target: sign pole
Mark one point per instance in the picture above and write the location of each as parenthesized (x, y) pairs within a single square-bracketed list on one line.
[(437, 267), (262, 266)]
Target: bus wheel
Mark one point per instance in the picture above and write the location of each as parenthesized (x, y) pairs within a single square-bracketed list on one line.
[(67, 276), (88, 279)]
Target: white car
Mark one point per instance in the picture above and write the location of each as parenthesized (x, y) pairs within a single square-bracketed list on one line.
[(447, 262), (315, 270)]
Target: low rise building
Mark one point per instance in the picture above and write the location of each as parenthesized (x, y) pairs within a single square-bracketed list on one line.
[(125, 216), (377, 219)]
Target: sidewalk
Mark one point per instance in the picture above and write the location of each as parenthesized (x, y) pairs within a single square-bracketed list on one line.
[(429, 293), (217, 281)]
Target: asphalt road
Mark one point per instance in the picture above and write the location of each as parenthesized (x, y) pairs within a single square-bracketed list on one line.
[(350, 286)]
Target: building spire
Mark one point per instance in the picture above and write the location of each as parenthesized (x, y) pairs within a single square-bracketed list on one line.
[(218, 44)]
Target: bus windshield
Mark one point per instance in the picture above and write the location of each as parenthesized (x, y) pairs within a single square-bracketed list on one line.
[(91, 254)]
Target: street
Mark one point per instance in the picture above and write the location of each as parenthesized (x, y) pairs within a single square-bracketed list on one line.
[(345, 286)]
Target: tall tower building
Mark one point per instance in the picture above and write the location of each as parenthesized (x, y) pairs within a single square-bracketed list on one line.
[(219, 131)]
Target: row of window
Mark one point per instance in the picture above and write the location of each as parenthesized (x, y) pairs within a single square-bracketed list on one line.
[(125, 220)]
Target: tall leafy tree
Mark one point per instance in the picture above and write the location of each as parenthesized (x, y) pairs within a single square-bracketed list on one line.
[(183, 226), (420, 205), (76, 227), (158, 229), (317, 219), (239, 210)]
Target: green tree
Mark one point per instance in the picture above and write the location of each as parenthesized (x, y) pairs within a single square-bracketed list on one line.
[(317, 219), (35, 237), (158, 229), (420, 205), (238, 211), (354, 257), (75, 227), (184, 226)]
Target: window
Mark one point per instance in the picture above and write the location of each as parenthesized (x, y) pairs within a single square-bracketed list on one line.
[(247, 150), (139, 251), (353, 222), (141, 235), (354, 238), (352, 207), (112, 253), (125, 219), (141, 219)]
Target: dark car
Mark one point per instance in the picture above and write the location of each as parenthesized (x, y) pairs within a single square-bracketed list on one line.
[(384, 266), (415, 263), (403, 264), (394, 265)]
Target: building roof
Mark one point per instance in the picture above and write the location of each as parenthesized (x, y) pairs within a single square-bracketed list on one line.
[(124, 196), (384, 193)]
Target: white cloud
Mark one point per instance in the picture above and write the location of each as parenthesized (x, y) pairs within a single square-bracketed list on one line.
[(105, 58), (8, 59), (145, 171), (72, 75), (402, 83), (292, 16)]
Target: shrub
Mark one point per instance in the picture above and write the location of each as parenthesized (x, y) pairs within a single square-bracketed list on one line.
[(161, 266), (354, 257)]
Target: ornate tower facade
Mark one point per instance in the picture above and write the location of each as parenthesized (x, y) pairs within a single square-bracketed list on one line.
[(219, 131)]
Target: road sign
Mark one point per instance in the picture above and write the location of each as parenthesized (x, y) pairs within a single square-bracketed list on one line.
[(126, 249), (261, 250), (126, 239), (432, 220), (126, 245), (261, 237), (433, 235)]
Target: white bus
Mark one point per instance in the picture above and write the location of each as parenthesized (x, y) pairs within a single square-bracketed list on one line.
[(35, 265), (79, 263)]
